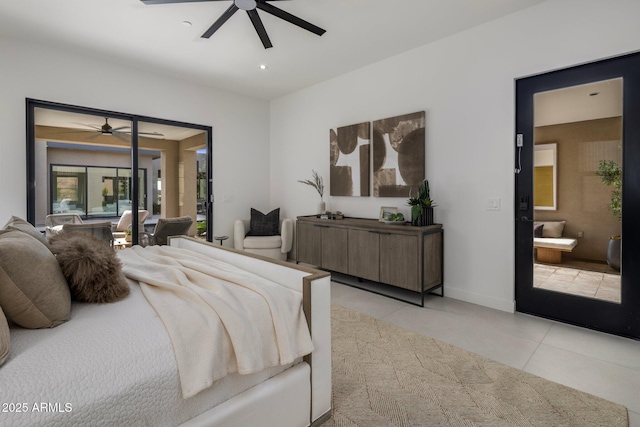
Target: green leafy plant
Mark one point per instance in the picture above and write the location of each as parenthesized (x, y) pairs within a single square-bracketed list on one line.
[(201, 227), (316, 182), (421, 201), (610, 173), (396, 217)]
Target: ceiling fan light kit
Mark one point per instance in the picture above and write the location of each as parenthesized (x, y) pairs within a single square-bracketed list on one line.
[(251, 7)]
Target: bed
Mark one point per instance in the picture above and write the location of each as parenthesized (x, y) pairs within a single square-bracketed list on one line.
[(113, 364)]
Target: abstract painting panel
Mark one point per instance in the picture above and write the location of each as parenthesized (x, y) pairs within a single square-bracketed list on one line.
[(398, 155), (349, 168)]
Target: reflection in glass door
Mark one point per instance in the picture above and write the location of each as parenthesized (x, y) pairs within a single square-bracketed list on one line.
[(577, 185), (583, 125)]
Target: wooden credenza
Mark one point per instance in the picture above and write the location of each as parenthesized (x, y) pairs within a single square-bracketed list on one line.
[(403, 256)]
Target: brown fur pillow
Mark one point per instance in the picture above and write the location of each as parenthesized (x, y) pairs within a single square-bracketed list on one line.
[(91, 267)]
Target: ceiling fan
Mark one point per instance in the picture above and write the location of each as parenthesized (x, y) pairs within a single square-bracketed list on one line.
[(250, 6), (107, 129)]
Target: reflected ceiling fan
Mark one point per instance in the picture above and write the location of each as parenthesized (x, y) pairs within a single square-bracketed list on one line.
[(250, 6), (107, 129)]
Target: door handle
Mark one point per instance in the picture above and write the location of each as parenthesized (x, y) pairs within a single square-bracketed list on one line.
[(525, 219)]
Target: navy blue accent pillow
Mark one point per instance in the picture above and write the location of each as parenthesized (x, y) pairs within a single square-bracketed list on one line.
[(264, 225), (537, 230)]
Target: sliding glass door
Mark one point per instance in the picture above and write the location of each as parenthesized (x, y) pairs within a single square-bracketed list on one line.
[(81, 161)]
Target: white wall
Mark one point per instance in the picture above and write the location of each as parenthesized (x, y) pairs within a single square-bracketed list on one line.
[(240, 124), (466, 85)]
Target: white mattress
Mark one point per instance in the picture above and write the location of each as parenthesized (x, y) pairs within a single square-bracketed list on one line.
[(111, 364)]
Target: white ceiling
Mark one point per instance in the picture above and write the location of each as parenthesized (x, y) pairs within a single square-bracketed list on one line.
[(578, 103), (152, 37)]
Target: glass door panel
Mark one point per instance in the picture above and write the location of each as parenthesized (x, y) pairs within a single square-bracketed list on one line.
[(176, 158), (576, 181), (78, 157)]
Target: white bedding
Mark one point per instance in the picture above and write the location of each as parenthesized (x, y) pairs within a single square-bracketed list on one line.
[(112, 364), (220, 319)]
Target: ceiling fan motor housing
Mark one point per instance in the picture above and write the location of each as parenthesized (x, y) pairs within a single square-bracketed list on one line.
[(245, 4), (251, 7)]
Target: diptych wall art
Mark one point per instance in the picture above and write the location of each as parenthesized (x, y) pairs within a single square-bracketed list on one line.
[(349, 168), (398, 155)]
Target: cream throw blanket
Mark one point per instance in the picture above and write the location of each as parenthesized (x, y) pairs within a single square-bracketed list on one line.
[(220, 319)]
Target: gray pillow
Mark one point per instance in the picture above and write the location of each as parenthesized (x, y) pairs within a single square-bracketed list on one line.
[(33, 290), (26, 227), (537, 230), (5, 345), (264, 225)]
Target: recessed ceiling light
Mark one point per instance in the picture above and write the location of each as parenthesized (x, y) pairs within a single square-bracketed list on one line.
[(263, 67), (186, 23)]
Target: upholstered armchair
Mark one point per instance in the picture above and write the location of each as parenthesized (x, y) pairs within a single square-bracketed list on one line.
[(277, 246)]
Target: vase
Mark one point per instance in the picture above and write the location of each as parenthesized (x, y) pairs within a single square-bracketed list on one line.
[(321, 207), (426, 217), (613, 253), (421, 216)]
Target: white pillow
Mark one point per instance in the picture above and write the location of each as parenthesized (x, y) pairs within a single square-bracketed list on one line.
[(552, 228)]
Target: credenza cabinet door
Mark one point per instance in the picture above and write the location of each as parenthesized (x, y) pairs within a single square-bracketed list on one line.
[(399, 261), (309, 244), (334, 249), (364, 254)]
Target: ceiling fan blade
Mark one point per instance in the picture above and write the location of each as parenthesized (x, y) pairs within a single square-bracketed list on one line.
[(259, 26), (260, 4), (173, 1), (216, 25)]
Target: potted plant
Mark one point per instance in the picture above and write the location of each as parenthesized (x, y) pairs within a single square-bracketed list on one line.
[(610, 173), (317, 183), (127, 234), (421, 206)]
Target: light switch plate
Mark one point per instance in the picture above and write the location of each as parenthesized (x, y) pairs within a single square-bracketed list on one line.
[(493, 204)]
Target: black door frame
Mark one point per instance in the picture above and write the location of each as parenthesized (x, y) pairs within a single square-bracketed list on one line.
[(620, 319), (32, 104)]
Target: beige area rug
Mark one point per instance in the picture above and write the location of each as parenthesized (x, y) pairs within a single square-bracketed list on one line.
[(384, 375)]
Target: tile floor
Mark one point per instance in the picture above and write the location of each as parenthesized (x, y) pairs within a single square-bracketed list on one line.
[(601, 364), (579, 278)]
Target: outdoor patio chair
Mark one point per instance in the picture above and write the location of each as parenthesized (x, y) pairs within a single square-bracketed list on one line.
[(101, 230), (164, 228), (124, 223), (53, 223)]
